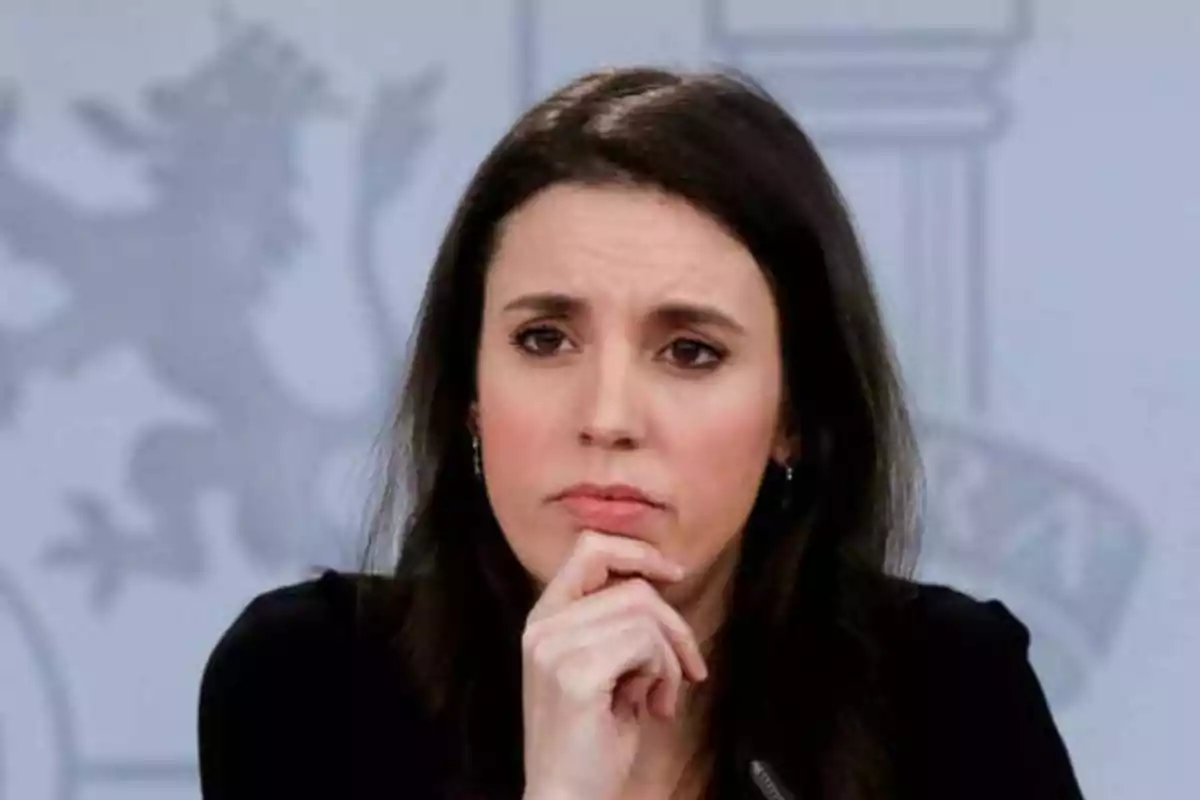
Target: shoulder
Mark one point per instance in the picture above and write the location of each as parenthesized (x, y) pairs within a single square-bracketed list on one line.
[(950, 643), (302, 640), (302, 691), (947, 621), (974, 716), (950, 647), (313, 626)]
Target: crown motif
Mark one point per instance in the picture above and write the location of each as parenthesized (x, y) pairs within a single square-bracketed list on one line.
[(1047, 536)]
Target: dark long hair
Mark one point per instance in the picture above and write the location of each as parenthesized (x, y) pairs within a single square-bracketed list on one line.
[(800, 665)]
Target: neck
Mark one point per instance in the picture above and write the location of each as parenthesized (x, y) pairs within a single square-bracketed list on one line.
[(703, 600)]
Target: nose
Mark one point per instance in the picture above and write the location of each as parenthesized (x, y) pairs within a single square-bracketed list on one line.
[(611, 417)]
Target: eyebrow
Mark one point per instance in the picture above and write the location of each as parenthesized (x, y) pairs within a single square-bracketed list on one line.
[(550, 304), (679, 314)]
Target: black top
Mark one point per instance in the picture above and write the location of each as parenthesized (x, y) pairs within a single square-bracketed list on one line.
[(296, 702)]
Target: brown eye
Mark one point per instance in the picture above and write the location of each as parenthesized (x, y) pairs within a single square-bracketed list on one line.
[(693, 354), (540, 341)]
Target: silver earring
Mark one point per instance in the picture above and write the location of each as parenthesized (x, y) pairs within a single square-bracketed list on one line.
[(786, 495), (476, 458)]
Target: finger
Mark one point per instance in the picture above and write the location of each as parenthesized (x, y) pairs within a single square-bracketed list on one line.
[(663, 699), (596, 559), (631, 596), (654, 695), (549, 651), (589, 665), (631, 696)]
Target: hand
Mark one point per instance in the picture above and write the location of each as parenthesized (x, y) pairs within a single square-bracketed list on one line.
[(601, 652)]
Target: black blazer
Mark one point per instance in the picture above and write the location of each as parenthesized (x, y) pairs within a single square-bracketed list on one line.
[(296, 703)]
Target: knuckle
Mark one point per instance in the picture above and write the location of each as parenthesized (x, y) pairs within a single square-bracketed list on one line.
[(647, 593), (543, 660), (645, 635), (542, 657), (650, 639), (537, 649), (576, 684), (531, 636), (640, 592)]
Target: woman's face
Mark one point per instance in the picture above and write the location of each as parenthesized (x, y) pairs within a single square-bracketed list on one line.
[(629, 377)]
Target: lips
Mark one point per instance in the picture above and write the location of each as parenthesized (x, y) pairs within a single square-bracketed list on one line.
[(618, 509)]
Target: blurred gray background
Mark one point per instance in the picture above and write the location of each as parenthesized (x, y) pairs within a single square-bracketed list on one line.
[(215, 224)]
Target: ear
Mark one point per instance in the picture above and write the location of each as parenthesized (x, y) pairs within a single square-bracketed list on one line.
[(786, 448), (473, 418)]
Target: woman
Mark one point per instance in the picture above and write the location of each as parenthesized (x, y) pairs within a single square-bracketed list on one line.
[(661, 489)]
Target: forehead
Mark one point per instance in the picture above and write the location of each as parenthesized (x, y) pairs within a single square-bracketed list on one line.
[(626, 244)]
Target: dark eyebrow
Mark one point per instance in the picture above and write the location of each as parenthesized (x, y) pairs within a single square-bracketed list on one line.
[(550, 304), (691, 315), (676, 314)]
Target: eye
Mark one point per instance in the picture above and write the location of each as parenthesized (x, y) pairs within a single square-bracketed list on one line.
[(693, 354), (540, 340)]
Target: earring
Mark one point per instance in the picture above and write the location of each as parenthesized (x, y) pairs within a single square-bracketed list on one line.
[(788, 475), (476, 458)]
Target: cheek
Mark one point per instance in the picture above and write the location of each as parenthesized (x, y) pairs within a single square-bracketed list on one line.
[(518, 428), (719, 463), (514, 419)]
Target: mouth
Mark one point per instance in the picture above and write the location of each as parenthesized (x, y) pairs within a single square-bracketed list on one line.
[(614, 508)]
